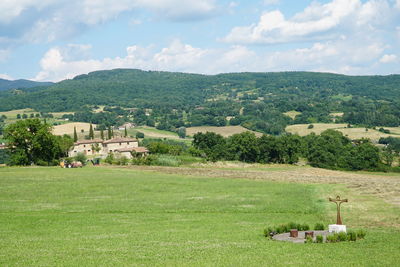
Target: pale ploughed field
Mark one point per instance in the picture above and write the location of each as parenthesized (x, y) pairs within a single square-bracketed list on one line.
[(68, 128), (224, 131), (352, 133)]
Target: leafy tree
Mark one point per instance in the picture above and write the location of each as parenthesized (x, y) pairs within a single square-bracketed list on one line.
[(243, 147), (140, 135), (182, 132), (66, 143), (31, 141), (18, 116), (213, 145)]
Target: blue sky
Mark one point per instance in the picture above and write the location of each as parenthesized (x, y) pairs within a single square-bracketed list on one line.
[(51, 40)]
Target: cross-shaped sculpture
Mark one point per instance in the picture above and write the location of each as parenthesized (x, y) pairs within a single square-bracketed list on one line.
[(338, 201)]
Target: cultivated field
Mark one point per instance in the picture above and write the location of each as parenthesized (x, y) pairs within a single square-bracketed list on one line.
[(224, 131), (292, 114), (151, 132), (12, 114), (68, 128), (352, 133), (155, 216)]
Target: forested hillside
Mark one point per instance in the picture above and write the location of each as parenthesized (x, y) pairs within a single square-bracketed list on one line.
[(17, 84), (255, 100)]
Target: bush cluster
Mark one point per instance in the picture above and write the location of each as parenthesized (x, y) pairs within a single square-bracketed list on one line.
[(349, 236), (284, 228)]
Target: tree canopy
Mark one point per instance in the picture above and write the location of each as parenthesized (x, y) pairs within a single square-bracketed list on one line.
[(31, 142)]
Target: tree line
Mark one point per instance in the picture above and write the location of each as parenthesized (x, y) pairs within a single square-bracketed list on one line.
[(329, 150)]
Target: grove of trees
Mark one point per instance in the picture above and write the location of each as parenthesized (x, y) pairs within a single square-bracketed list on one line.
[(30, 141), (329, 150)]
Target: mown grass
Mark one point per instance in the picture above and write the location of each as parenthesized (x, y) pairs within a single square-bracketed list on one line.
[(118, 217)]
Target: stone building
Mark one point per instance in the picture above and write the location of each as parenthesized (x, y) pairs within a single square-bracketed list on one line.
[(101, 148)]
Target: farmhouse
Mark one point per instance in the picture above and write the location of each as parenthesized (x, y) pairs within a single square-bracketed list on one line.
[(102, 148)]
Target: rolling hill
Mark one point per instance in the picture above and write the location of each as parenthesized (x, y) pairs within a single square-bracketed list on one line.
[(257, 101), (18, 84)]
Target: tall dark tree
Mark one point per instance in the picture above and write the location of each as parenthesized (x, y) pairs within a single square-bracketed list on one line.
[(91, 132), (109, 133), (125, 132), (75, 135), (102, 134)]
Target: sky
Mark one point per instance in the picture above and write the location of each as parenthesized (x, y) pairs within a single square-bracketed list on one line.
[(52, 40)]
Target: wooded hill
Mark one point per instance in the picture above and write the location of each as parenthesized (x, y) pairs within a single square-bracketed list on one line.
[(17, 84), (255, 100)]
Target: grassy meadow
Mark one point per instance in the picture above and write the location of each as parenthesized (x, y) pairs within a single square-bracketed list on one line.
[(122, 216)]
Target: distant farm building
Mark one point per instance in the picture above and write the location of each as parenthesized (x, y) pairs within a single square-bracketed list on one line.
[(123, 146)]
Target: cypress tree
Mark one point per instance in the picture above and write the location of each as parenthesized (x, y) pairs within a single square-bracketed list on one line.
[(126, 132), (75, 135), (102, 134), (109, 133), (91, 132)]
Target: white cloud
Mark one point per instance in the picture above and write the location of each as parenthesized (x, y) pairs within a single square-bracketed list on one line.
[(271, 2), (332, 56), (388, 58), (5, 76), (316, 22), (176, 57), (50, 20)]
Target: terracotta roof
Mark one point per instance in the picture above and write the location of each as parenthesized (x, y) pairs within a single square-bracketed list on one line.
[(93, 141), (119, 140), (136, 149)]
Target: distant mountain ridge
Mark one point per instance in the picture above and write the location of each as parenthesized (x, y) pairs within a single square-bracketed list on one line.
[(21, 83), (257, 101)]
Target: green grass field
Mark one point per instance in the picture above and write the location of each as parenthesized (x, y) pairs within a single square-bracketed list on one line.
[(119, 217)]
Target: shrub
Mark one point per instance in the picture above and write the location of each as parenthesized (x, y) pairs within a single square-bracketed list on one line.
[(319, 227), (351, 236), (309, 240), (121, 160), (68, 161), (283, 228), (311, 126), (268, 232), (304, 227), (342, 236), (42, 163), (332, 238), (293, 225), (81, 157), (167, 160), (144, 160), (109, 159), (361, 234), (319, 239), (139, 135)]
